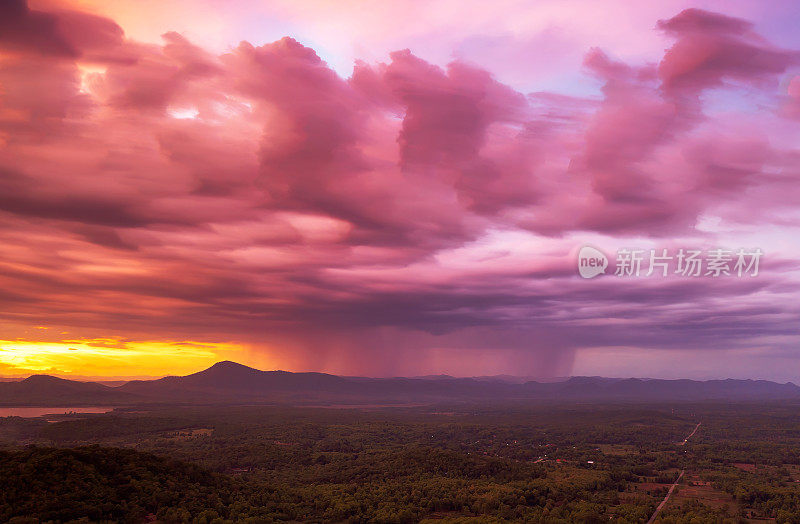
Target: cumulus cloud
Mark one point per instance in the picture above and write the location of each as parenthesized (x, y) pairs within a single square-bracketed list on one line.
[(712, 48)]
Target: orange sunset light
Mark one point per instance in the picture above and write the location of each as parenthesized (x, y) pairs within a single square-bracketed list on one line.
[(111, 358)]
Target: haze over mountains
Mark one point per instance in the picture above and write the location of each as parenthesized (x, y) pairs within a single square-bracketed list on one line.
[(229, 382)]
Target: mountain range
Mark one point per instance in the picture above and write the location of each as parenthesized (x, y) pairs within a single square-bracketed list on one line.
[(230, 383)]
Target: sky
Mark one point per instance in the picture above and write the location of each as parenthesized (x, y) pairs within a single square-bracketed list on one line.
[(399, 188)]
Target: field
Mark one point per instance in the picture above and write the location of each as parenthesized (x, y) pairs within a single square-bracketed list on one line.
[(446, 463)]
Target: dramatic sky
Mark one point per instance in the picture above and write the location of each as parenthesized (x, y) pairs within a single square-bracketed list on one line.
[(396, 188)]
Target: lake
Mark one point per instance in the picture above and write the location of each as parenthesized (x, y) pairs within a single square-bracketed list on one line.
[(38, 412)]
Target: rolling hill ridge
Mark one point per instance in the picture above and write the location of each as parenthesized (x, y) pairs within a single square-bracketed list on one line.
[(229, 382)]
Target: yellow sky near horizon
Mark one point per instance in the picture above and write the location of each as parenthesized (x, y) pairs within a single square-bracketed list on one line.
[(112, 358)]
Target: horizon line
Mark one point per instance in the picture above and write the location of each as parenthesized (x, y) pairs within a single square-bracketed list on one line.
[(431, 376)]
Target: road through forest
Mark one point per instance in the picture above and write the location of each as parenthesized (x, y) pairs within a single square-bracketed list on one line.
[(674, 484)]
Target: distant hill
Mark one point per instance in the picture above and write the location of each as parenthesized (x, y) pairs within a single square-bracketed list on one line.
[(44, 390), (229, 382), (580, 388)]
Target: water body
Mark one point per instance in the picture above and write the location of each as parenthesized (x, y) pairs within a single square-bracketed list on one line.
[(38, 412)]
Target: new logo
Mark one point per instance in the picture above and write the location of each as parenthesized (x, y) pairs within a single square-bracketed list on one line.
[(591, 262)]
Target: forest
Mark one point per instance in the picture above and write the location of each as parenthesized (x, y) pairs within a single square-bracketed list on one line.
[(445, 463)]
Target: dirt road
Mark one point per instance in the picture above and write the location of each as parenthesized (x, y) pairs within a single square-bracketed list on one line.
[(690, 435), (664, 502), (674, 484)]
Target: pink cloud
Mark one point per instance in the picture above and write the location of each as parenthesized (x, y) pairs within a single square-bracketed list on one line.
[(168, 189), (712, 48)]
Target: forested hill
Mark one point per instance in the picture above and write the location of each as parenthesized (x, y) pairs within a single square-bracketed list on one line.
[(106, 484)]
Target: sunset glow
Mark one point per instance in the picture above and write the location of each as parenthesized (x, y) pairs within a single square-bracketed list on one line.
[(105, 358)]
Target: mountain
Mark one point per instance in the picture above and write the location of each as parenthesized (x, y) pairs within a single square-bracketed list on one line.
[(229, 380), (45, 390), (230, 383)]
